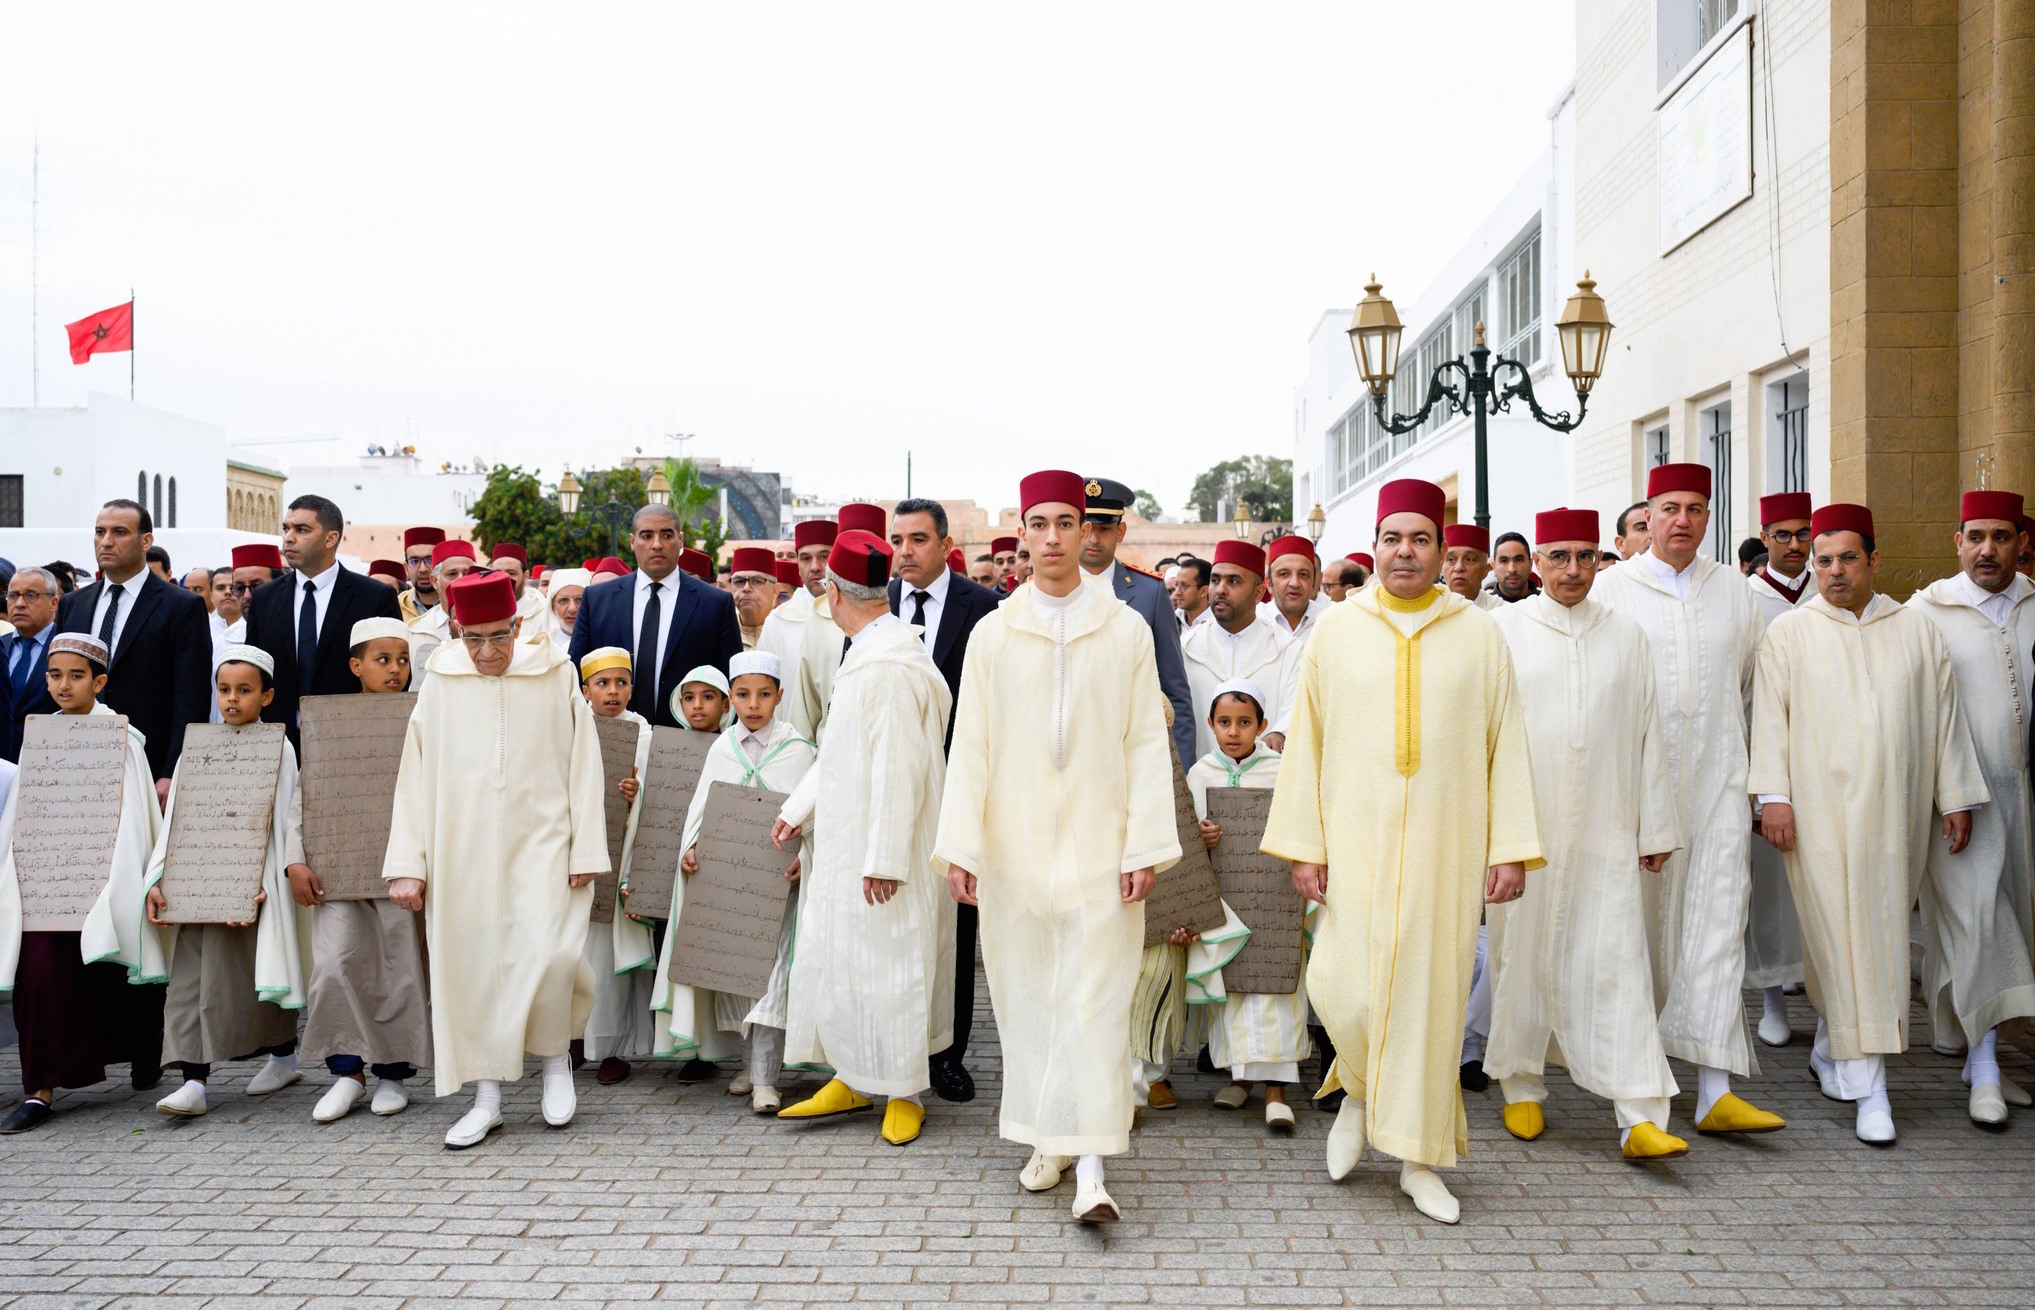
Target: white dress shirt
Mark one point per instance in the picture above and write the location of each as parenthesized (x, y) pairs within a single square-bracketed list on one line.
[(936, 604), (667, 599), (129, 589), (1678, 582), (1995, 605), (320, 601)]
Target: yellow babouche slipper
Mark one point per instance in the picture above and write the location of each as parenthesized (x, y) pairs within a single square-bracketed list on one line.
[(1525, 1120), (902, 1120), (835, 1098), (1646, 1142), (1732, 1114)]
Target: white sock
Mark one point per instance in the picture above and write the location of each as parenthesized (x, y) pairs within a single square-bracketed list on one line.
[(290, 1059), (1088, 1171), (1982, 1062), (557, 1064), (1712, 1086), (1776, 1000), (487, 1095), (388, 1082), (1877, 1101), (1623, 1135)]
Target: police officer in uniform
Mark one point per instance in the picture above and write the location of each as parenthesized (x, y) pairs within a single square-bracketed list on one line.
[(1102, 532)]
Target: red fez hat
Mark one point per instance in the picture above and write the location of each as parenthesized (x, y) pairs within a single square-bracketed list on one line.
[(607, 564), (482, 598), (388, 568), (511, 550), (1359, 557), (861, 517), (1689, 479), (261, 556), (1842, 518), (1053, 487), (786, 571), (1783, 506), (1565, 525), (1990, 505), (591, 563), (1003, 545), (752, 559), (813, 532), (1240, 554), (446, 550), (697, 562), (1289, 545), (956, 561), (537, 570), (1412, 496), (862, 558), (1467, 536), (422, 537)]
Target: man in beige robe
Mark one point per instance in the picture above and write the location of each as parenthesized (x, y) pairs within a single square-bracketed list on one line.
[(1404, 784), (1057, 814), (1976, 929), (499, 815), (1570, 981), (1856, 731)]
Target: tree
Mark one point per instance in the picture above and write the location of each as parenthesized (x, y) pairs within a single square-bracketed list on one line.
[(1147, 506), (515, 506), (692, 498), (1263, 482)]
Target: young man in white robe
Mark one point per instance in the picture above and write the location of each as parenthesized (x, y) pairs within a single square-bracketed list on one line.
[(1240, 643), (1858, 741), (1703, 630), (809, 685), (235, 989), (1404, 782), (784, 629), (497, 836), (760, 750), (872, 981), (74, 1010), (1773, 931), (620, 952), (1058, 812), (1976, 932), (1568, 966)]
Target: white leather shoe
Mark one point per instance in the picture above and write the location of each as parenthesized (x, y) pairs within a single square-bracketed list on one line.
[(1825, 1074), (764, 1100), (1774, 1030), (390, 1097), (2014, 1094), (339, 1100), (1042, 1172), (560, 1100), (1430, 1194), (187, 1102), (1093, 1206), (1988, 1106), (472, 1128), (1346, 1139), (273, 1076), (740, 1085), (1875, 1126), (1279, 1116)]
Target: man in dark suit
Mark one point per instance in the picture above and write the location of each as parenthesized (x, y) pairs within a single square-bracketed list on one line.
[(668, 621), (929, 594), (305, 618), (1102, 532), (32, 596), (161, 675)]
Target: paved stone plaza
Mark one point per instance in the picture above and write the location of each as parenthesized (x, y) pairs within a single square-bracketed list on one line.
[(676, 1194)]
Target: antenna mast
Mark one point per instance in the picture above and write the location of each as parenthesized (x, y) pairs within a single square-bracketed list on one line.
[(35, 277)]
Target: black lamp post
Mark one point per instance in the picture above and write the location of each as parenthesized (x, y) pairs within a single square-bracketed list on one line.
[(1585, 334), (611, 512)]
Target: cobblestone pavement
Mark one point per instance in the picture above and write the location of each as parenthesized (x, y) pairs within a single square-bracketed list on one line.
[(677, 1194)]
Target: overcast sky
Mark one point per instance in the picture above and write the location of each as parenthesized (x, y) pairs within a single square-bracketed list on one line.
[(1005, 237)]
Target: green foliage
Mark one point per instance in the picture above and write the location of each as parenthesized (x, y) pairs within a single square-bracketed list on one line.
[(1147, 506), (515, 506), (1264, 482), (699, 520)]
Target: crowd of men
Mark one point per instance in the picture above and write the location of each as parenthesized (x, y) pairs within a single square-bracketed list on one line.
[(1540, 809)]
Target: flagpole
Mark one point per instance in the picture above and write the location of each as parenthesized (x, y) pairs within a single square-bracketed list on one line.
[(130, 345)]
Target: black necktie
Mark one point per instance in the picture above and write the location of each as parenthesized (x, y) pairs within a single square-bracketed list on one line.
[(24, 658), (919, 599), (113, 594), (307, 629), (646, 648)]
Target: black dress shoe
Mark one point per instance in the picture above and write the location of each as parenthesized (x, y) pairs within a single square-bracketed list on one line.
[(696, 1070), (1204, 1062), (951, 1082), (27, 1115), (145, 1077), (1474, 1078)]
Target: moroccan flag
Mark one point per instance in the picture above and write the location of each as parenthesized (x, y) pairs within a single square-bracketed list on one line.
[(108, 330)]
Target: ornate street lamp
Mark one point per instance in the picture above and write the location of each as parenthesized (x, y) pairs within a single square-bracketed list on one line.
[(1585, 332), (1241, 520), (568, 494), (613, 512), (660, 488), (1317, 523)]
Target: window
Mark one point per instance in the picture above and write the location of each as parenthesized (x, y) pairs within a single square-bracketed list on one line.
[(1519, 304), (1715, 425), (156, 509), (1683, 27), (141, 487), (1657, 446), (171, 522), (10, 501), (1788, 447)]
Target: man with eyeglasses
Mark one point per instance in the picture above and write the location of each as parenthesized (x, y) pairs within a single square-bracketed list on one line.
[(752, 581), (1773, 932), (1569, 973), (32, 596), (1857, 743), (422, 593)]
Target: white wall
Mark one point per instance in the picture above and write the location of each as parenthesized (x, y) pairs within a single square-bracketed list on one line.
[(390, 489)]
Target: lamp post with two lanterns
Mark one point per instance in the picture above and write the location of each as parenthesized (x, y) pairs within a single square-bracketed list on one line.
[(611, 512), (1585, 333)]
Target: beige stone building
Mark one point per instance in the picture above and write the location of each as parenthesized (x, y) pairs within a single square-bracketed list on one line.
[(254, 498)]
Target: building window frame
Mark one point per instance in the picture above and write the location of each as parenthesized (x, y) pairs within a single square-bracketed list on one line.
[(13, 500), (1521, 315), (1713, 427)]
